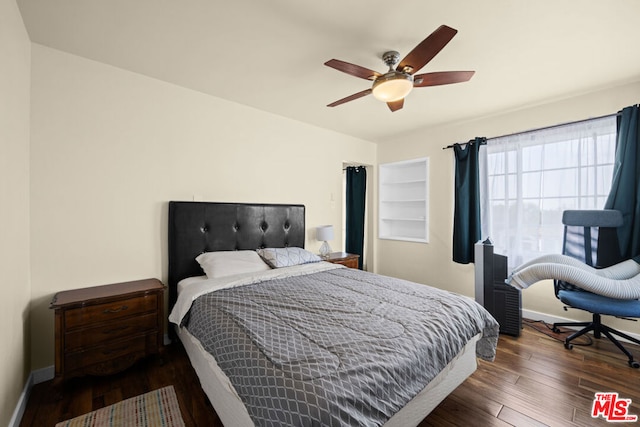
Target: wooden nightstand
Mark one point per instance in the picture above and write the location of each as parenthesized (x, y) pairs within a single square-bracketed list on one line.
[(348, 260), (105, 329)]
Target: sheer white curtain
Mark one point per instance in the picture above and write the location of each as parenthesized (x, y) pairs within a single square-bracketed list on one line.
[(529, 179)]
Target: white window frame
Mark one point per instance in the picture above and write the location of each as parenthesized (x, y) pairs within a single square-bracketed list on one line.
[(514, 230)]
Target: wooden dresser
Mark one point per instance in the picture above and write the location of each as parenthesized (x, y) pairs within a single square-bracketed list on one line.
[(105, 329), (346, 259)]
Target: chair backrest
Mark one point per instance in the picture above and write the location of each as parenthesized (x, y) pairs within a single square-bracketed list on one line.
[(591, 237)]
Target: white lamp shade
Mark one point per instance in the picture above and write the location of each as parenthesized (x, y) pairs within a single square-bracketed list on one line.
[(324, 233), (392, 86), (392, 90)]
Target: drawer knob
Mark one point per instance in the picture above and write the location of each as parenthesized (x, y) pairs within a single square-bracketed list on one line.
[(115, 310)]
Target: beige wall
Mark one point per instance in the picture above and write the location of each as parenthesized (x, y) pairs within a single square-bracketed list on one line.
[(431, 263), (14, 211), (110, 148)]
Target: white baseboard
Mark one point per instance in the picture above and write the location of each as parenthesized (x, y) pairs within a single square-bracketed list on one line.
[(35, 377), (16, 418), (534, 315), (43, 374), (22, 403)]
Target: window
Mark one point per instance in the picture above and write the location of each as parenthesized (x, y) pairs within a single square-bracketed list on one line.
[(532, 177)]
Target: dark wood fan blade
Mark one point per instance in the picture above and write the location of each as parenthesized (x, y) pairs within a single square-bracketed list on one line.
[(350, 98), (427, 49), (441, 78), (352, 69), (396, 105)]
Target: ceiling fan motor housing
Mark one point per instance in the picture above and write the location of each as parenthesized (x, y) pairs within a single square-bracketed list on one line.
[(391, 58)]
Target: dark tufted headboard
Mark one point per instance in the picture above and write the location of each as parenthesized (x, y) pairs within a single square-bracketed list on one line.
[(197, 227)]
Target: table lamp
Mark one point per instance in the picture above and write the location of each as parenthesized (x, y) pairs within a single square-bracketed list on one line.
[(324, 233)]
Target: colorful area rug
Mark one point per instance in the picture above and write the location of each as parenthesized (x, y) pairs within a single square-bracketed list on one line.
[(158, 408)]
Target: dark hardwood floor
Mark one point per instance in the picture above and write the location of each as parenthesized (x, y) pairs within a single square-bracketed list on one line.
[(534, 381)]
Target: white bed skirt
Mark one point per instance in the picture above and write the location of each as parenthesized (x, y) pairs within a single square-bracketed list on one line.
[(232, 411)]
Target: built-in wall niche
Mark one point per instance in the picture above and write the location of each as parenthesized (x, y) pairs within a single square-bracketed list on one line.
[(403, 196)]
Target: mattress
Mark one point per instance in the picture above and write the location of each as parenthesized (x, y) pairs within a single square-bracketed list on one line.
[(233, 413), (324, 345)]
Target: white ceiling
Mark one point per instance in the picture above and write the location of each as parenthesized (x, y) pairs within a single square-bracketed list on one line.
[(270, 54)]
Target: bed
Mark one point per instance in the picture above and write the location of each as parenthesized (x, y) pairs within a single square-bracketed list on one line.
[(306, 342)]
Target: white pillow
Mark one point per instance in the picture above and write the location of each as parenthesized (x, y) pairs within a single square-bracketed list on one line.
[(286, 257), (228, 263)]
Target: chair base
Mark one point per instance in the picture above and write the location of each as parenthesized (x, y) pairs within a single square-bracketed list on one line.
[(598, 330)]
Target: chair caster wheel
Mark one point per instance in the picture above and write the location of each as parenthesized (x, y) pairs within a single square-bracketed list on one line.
[(634, 364), (568, 345)]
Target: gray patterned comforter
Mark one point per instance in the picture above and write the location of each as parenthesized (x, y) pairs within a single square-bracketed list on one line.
[(340, 347)]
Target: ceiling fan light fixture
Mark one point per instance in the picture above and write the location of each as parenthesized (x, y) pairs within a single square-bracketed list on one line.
[(392, 86), (396, 84)]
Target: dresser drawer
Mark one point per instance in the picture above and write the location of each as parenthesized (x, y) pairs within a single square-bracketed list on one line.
[(351, 262), (81, 338), (81, 317), (343, 258), (100, 354)]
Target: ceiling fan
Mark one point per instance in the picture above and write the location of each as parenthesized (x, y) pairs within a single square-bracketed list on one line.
[(392, 86)]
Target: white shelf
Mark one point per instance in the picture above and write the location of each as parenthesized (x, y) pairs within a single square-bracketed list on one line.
[(405, 201), (403, 209), (404, 219), (413, 181)]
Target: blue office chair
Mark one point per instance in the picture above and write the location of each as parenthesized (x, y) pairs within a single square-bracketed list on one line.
[(591, 237)]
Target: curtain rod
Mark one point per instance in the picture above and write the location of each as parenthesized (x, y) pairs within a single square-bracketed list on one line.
[(543, 128)]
